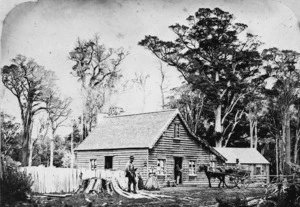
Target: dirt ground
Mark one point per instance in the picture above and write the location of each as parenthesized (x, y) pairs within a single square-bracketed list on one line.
[(180, 196)]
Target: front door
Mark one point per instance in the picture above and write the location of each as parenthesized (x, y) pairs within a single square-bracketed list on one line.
[(178, 169), (108, 162)]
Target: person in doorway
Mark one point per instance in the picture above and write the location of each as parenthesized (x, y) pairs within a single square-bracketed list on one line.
[(177, 173), (130, 173)]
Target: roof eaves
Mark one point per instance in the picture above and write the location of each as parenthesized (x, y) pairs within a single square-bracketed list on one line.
[(120, 148)]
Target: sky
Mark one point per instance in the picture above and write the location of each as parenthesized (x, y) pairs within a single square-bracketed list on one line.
[(46, 30)]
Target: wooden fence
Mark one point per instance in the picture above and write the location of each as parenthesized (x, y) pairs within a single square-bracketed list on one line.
[(58, 180)]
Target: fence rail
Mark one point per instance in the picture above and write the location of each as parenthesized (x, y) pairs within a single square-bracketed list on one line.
[(295, 178), (57, 180)]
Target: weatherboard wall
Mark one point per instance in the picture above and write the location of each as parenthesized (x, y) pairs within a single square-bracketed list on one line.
[(186, 147), (120, 158)]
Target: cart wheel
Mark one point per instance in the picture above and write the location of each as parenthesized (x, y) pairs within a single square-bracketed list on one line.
[(231, 181)]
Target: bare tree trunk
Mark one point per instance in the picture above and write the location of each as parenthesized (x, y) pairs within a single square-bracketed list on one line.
[(218, 125), (82, 112), (27, 126), (276, 153), (280, 147), (72, 151), (283, 146), (288, 143), (52, 148), (30, 153), (25, 146), (255, 134), (296, 148), (30, 147), (251, 132), (161, 85), (297, 137), (218, 119), (162, 97)]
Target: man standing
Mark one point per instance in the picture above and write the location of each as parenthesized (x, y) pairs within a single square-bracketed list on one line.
[(130, 173), (177, 173)]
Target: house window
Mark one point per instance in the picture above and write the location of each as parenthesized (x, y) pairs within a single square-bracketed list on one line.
[(93, 164), (160, 170), (108, 162), (192, 167), (176, 130), (258, 171)]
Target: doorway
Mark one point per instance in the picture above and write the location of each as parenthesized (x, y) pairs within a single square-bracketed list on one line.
[(108, 163), (178, 161)]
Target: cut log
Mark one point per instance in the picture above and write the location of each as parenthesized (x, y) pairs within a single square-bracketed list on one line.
[(109, 188), (90, 185), (57, 195), (82, 186), (156, 195), (112, 185), (254, 202), (97, 186)]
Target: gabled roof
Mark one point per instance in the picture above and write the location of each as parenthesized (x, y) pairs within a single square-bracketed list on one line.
[(128, 131), (133, 131), (245, 155)]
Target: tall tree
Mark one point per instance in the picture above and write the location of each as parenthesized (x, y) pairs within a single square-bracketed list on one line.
[(58, 112), (27, 80), (98, 68), (280, 65), (210, 56)]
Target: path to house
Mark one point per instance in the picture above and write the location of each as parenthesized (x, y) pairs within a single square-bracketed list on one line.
[(181, 196)]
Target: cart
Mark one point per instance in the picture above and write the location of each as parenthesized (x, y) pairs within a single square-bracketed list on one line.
[(235, 177)]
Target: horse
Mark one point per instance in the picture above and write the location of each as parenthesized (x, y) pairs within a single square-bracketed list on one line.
[(209, 174)]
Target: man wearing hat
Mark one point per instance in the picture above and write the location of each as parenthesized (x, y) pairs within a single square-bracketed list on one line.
[(130, 173)]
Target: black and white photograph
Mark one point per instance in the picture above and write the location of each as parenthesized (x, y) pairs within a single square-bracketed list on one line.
[(150, 103)]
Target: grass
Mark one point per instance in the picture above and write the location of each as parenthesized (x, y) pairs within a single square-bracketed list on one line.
[(181, 196)]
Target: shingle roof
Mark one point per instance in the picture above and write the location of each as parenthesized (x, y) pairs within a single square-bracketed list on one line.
[(245, 155), (134, 131), (128, 131)]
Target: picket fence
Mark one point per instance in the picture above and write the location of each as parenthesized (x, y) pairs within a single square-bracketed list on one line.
[(65, 180)]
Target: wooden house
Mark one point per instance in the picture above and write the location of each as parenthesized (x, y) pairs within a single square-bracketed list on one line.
[(249, 159), (157, 140)]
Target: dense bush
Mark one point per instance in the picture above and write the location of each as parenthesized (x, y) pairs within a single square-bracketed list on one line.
[(15, 185)]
